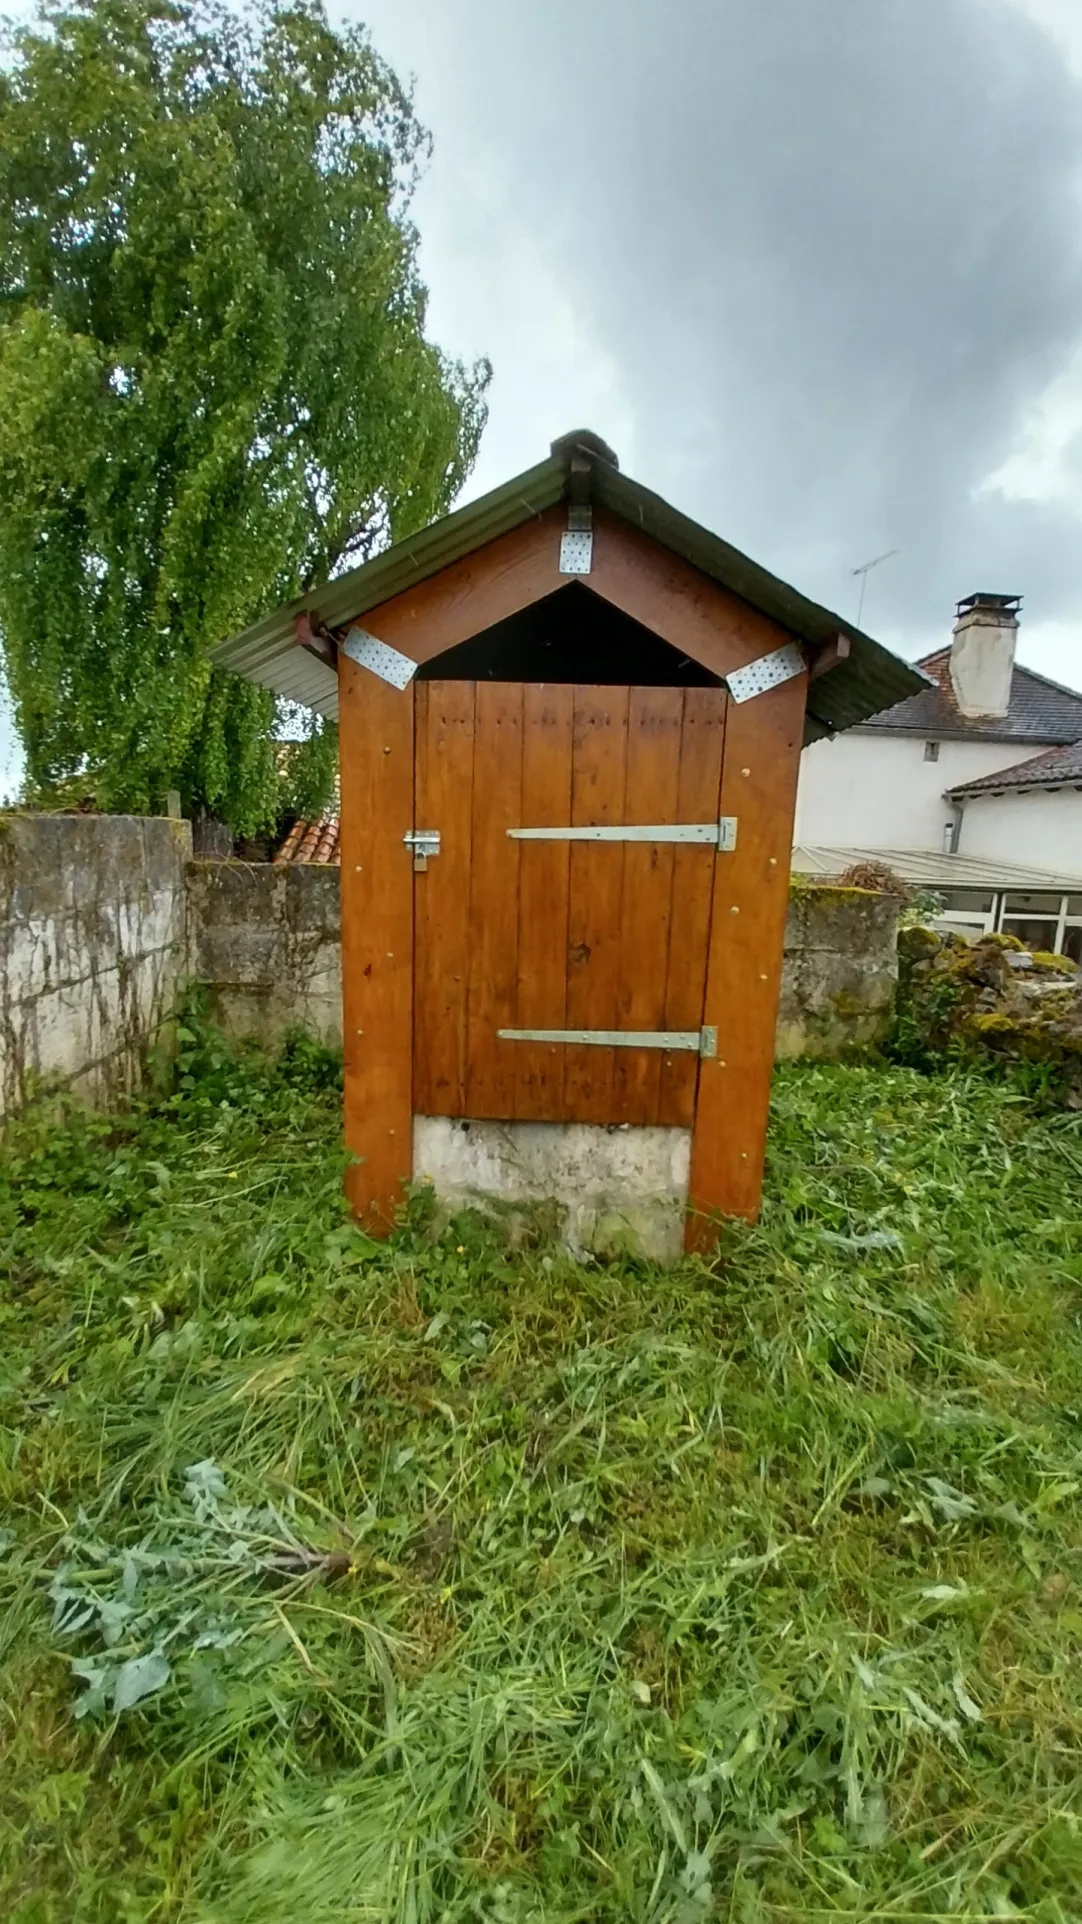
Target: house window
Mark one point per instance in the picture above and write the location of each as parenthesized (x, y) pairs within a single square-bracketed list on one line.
[(931, 751), (970, 911), (1038, 920)]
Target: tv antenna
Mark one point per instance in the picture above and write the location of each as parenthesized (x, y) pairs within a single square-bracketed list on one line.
[(864, 571)]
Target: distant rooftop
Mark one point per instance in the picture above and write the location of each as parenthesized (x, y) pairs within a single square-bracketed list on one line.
[(1040, 710), (1057, 768)]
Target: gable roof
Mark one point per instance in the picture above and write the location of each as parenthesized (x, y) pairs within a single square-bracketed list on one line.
[(1057, 768), (870, 678), (1040, 710)]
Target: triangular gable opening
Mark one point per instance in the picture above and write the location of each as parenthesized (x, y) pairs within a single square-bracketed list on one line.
[(570, 636)]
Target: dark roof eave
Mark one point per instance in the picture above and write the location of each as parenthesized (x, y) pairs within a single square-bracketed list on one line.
[(1049, 783), (931, 731)]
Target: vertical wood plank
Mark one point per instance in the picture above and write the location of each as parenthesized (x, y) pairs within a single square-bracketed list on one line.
[(701, 739), (544, 887), (376, 735), (598, 798), (653, 780), (751, 893), (445, 714), (494, 909)]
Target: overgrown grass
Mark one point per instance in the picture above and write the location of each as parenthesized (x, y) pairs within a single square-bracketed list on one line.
[(435, 1583)]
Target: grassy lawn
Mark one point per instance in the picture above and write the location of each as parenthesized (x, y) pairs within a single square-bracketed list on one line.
[(429, 1582)]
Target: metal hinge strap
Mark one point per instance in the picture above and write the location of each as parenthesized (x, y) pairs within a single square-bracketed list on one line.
[(701, 1042), (719, 835)]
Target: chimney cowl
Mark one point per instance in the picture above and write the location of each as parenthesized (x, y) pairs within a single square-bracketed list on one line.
[(1007, 605), (982, 655)]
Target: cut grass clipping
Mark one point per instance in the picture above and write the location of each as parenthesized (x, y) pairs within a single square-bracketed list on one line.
[(425, 1582)]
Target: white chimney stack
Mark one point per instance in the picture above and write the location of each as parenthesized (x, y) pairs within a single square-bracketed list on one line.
[(982, 655)]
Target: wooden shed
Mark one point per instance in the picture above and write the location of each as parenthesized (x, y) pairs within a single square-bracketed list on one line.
[(570, 725)]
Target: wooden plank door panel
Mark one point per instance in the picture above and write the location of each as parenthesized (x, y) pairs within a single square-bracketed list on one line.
[(694, 869), (377, 942), (544, 900), (555, 934), (445, 780), (598, 799), (492, 1065), (652, 795)]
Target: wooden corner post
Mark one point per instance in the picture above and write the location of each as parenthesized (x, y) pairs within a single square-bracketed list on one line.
[(760, 764), (375, 724)]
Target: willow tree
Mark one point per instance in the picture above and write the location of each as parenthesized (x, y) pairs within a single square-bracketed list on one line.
[(215, 381)]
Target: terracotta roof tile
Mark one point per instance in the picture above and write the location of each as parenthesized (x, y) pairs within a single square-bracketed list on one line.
[(1040, 710), (312, 842), (1059, 767)]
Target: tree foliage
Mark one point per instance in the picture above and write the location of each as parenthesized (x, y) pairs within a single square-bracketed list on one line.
[(215, 383)]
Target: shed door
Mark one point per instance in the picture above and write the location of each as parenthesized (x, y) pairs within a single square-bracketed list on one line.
[(532, 933)]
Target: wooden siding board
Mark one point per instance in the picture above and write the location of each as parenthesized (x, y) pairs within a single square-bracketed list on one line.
[(377, 941), (544, 899), (494, 908), (758, 786), (445, 770), (653, 786)]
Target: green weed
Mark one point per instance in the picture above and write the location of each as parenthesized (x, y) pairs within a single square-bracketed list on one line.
[(420, 1581)]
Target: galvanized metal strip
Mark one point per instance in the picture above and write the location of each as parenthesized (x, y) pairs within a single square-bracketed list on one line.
[(380, 657), (768, 672), (721, 834), (576, 552), (694, 1041)]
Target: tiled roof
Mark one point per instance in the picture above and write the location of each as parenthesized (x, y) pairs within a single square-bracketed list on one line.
[(1059, 768), (1040, 710), (311, 842)]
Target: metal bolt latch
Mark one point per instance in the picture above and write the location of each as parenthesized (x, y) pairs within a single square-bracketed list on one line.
[(424, 842)]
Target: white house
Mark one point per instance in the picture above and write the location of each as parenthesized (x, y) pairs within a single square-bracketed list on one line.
[(1035, 805), (983, 767)]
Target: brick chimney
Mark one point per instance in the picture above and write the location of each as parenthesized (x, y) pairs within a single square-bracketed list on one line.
[(982, 655)]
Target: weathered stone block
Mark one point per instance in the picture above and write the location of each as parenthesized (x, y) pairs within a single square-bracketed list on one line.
[(839, 972), (92, 948)]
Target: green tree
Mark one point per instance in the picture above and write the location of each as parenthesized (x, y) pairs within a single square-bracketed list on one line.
[(215, 383)]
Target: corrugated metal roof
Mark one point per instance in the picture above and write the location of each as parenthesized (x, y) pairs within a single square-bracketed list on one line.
[(925, 868), (872, 678), (1058, 768), (1039, 710)]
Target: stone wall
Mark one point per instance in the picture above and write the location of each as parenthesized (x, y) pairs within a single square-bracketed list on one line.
[(92, 922), (265, 943), (104, 920), (840, 971)]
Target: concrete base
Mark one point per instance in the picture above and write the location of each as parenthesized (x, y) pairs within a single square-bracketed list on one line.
[(613, 1189)]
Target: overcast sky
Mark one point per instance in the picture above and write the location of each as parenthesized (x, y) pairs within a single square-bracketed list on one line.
[(814, 267)]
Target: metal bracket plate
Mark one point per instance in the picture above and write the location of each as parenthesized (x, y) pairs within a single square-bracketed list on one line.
[(700, 1042), (768, 672), (719, 835), (380, 657), (424, 842), (576, 552)]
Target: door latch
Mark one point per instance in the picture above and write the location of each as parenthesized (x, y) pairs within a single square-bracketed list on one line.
[(424, 842)]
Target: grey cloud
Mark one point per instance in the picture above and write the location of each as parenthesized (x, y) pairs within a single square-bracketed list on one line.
[(834, 247)]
